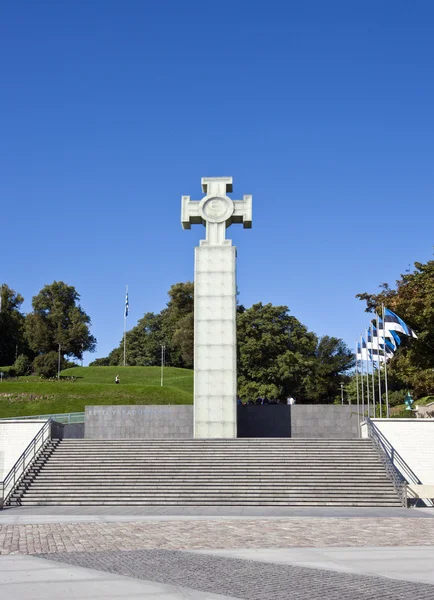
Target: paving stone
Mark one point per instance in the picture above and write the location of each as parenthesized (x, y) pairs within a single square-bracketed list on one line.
[(217, 533), (245, 579)]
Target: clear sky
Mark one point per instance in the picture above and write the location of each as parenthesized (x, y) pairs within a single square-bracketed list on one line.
[(110, 110)]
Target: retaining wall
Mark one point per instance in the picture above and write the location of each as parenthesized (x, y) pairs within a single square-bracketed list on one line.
[(138, 422), (413, 439), (173, 422), (15, 436)]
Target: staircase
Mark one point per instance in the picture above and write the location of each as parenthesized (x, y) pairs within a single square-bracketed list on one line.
[(247, 472), (32, 472)]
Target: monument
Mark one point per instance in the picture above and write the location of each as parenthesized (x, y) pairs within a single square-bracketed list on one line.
[(215, 342)]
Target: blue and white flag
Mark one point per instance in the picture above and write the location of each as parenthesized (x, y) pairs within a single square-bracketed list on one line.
[(394, 323), (127, 306), (362, 351), (382, 334), (396, 338), (374, 340), (389, 347)]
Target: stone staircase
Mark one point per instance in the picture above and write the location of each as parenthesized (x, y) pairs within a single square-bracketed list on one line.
[(238, 472)]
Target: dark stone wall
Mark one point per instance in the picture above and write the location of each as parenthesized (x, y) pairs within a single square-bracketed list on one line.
[(264, 421), (73, 431), (328, 421)]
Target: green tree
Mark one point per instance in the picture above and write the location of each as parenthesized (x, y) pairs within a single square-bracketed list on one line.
[(100, 362), (333, 358), (47, 364), (12, 340), (278, 356), (172, 327), (57, 318), (413, 300), (144, 342), (274, 352), (178, 325), (22, 366)]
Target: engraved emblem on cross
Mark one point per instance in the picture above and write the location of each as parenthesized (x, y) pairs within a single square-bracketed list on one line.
[(216, 211)]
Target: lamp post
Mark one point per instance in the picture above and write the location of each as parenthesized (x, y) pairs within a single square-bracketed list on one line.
[(163, 359), (58, 366), (342, 393)]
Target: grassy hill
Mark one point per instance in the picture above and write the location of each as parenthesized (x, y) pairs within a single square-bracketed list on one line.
[(82, 386)]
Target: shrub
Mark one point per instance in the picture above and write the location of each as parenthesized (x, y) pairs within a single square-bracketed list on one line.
[(46, 365), (22, 366), (396, 397)]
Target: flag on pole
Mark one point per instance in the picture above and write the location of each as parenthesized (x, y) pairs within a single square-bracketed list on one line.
[(373, 338), (396, 338), (389, 347), (394, 323), (127, 305), (383, 334), (362, 351)]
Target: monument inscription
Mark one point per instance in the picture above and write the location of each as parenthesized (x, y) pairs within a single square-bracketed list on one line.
[(215, 352)]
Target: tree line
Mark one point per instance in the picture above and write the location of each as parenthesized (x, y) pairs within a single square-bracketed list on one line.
[(277, 355), (57, 326)]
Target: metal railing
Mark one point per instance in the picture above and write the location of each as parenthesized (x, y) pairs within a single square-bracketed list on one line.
[(396, 467), (64, 418), (25, 460)]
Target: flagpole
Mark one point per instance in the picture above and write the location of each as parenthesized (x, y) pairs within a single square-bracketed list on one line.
[(361, 377), (367, 376), (357, 387), (125, 329), (379, 366), (385, 365), (372, 368)]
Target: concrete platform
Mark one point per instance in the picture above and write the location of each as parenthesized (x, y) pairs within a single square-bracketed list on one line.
[(413, 563), (100, 514), (29, 578)]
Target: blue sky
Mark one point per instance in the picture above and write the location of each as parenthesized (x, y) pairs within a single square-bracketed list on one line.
[(111, 110)]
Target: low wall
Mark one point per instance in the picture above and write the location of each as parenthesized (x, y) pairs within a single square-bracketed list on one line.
[(329, 421), (413, 439), (15, 436), (138, 422), (176, 421)]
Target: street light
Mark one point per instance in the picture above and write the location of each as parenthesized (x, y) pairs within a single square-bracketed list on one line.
[(342, 393), (58, 366), (163, 359)]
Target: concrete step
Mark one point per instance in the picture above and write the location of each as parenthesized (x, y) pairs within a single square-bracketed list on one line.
[(100, 502), (272, 494), (248, 472), (343, 485)]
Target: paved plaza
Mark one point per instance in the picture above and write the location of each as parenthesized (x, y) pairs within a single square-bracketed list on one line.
[(201, 553)]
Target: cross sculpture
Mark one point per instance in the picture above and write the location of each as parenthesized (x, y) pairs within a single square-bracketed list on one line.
[(216, 211), (215, 343)]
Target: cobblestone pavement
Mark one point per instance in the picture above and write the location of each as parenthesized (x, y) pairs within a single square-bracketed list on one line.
[(245, 579), (214, 534)]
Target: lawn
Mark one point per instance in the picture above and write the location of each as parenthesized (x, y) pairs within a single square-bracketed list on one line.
[(83, 386)]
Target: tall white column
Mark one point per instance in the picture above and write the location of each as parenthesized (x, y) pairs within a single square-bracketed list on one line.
[(215, 345)]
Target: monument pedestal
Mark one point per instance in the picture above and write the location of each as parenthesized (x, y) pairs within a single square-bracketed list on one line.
[(215, 344)]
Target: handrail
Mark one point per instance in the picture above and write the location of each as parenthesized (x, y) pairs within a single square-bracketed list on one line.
[(64, 418), (390, 458), (18, 470)]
